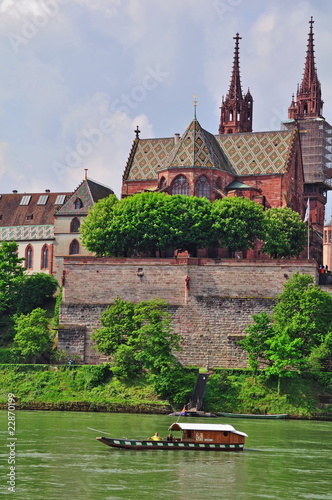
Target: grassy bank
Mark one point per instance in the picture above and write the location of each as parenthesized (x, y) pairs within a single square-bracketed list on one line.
[(54, 387), (237, 391), (94, 388)]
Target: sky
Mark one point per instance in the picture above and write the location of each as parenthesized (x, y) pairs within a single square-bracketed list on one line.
[(78, 76)]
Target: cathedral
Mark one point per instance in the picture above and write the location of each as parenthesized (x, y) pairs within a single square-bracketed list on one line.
[(288, 167)]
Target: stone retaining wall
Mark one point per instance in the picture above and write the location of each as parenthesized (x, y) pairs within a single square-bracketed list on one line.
[(211, 301)]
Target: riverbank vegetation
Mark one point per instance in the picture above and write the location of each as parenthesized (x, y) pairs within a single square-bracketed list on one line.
[(97, 388)]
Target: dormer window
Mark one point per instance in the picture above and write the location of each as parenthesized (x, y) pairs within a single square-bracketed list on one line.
[(25, 200), (78, 204)]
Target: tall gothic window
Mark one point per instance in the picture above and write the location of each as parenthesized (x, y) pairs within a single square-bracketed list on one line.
[(44, 257), (202, 188), (74, 248), (74, 225), (180, 185), (29, 257)]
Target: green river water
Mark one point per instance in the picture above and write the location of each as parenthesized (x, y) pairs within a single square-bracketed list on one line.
[(57, 457)]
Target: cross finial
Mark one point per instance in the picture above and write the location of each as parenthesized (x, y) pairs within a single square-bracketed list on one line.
[(137, 132), (311, 22)]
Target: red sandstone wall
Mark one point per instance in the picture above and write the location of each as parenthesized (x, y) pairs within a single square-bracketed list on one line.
[(211, 314), (100, 280)]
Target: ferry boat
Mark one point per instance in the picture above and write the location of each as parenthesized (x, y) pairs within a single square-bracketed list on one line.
[(216, 437)]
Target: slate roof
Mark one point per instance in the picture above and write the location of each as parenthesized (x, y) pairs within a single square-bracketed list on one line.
[(254, 153), (258, 153), (33, 212), (89, 192)]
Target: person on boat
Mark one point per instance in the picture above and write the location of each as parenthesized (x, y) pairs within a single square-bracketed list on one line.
[(169, 437), (155, 437)]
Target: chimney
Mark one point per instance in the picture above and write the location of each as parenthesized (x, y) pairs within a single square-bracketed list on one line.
[(176, 138)]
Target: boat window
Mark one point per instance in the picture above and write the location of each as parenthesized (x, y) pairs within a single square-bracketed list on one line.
[(225, 433)]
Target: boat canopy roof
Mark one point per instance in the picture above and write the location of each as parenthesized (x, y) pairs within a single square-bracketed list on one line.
[(178, 426)]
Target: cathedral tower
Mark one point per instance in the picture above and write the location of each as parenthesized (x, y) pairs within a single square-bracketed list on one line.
[(305, 113), (308, 103), (236, 109)]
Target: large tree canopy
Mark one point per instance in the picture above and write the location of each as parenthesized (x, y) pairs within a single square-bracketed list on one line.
[(294, 333), (95, 228), (237, 223), (147, 223), (284, 233)]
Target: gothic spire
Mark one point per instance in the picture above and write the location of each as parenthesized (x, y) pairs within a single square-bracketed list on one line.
[(309, 102), (235, 91), (236, 110)]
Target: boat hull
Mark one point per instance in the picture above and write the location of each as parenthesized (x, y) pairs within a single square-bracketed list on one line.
[(252, 415), (135, 444)]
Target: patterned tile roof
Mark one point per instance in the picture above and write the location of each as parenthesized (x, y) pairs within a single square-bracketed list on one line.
[(29, 209), (23, 233), (258, 153), (196, 148), (88, 192), (150, 156), (199, 148)]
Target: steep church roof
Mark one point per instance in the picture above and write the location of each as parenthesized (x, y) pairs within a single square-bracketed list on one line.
[(84, 197), (258, 153), (198, 148)]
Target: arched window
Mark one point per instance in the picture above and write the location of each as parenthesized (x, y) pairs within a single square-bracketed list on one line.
[(74, 225), (180, 185), (202, 187), (44, 257), (29, 257), (78, 203), (74, 248)]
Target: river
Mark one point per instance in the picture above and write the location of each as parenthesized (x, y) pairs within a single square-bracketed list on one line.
[(57, 457)]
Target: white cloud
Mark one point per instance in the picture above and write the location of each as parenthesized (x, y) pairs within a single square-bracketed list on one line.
[(95, 60)]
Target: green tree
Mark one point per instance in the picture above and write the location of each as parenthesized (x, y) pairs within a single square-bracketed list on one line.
[(11, 276), (138, 334), (147, 223), (95, 228), (295, 334), (256, 342), (34, 291), (284, 233), (237, 223), (118, 325), (32, 338), (304, 311), (190, 223)]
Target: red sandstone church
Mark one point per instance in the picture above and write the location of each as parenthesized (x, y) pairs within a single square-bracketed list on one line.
[(276, 168)]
